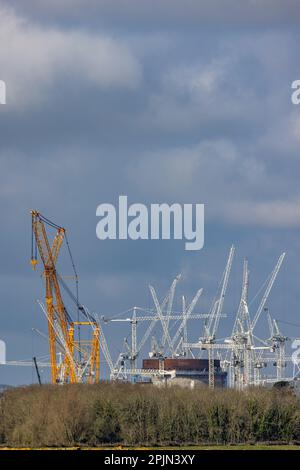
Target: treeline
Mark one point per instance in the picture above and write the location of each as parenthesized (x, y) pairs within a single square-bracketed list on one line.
[(95, 415)]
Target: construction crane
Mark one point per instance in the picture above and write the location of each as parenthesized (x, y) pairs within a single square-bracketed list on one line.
[(164, 321), (210, 330), (257, 364), (240, 361), (79, 361), (245, 365), (267, 291), (132, 349), (242, 320), (186, 315), (278, 341), (217, 307), (170, 306), (246, 357)]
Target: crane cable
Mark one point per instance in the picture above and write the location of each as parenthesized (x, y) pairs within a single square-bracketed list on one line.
[(76, 287)]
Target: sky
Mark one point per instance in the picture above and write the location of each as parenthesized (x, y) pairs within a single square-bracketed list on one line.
[(161, 101)]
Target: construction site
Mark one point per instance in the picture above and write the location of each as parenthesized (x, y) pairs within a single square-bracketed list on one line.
[(159, 347)]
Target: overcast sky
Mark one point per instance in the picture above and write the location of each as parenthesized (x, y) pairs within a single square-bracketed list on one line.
[(163, 101)]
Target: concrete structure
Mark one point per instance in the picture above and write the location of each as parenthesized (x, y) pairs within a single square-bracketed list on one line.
[(189, 372)]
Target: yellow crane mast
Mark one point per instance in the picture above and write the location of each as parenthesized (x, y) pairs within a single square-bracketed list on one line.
[(78, 361)]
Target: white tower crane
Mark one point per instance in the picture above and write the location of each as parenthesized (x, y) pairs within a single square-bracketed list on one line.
[(170, 306), (186, 315), (214, 319), (267, 291), (278, 341)]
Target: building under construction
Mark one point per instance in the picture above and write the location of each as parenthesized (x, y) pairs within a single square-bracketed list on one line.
[(178, 354), (188, 372)]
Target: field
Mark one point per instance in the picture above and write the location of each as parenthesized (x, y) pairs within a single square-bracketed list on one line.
[(123, 416)]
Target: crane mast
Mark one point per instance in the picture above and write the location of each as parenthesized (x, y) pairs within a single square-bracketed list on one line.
[(210, 330)]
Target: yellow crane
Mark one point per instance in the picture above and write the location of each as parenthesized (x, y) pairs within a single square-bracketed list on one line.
[(78, 361)]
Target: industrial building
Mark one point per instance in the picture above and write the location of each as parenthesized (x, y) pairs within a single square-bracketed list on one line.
[(188, 372)]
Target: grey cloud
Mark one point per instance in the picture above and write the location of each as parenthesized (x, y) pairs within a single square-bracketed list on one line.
[(168, 13), (34, 59), (274, 213), (237, 188)]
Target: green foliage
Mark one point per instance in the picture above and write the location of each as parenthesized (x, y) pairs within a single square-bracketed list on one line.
[(105, 425), (95, 415)]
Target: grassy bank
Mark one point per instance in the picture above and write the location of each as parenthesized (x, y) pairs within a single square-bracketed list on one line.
[(128, 415)]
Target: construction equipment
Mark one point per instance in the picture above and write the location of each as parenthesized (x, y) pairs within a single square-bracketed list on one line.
[(186, 312), (210, 329), (245, 353), (79, 361), (132, 349), (278, 341), (75, 359)]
